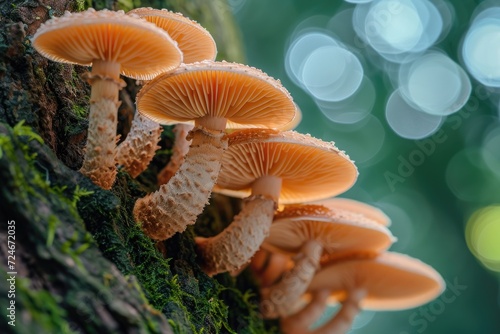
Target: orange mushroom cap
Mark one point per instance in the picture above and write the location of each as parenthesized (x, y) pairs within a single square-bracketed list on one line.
[(142, 49), (337, 230), (367, 210), (243, 95), (195, 42), (392, 281), (310, 169)]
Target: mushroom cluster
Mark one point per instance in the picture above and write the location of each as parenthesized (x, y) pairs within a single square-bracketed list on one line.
[(336, 251), (233, 136)]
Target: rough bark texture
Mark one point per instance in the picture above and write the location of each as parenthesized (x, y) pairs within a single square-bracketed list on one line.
[(83, 265)]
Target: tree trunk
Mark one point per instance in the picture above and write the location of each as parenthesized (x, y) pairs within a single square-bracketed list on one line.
[(79, 261)]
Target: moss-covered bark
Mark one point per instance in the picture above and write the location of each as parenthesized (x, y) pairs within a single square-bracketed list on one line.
[(83, 265)]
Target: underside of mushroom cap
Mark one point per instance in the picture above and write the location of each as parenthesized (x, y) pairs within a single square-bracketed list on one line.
[(336, 230), (141, 48), (195, 42), (392, 281), (310, 168), (245, 96), (358, 207)]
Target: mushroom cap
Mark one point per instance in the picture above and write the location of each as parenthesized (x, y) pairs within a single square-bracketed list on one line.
[(195, 42), (142, 49), (243, 95), (337, 230), (295, 122), (392, 281), (310, 169), (358, 207)]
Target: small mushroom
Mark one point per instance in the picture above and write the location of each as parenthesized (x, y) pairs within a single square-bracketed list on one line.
[(389, 281), (112, 43), (312, 232), (138, 148), (367, 210), (213, 95), (195, 42), (264, 166)]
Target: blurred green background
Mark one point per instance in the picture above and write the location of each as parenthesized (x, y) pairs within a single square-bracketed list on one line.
[(430, 156)]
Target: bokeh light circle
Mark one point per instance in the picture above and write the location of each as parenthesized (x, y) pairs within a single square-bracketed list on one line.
[(408, 122), (398, 29), (483, 236), (299, 51), (332, 73), (435, 84), (481, 48), (352, 109)]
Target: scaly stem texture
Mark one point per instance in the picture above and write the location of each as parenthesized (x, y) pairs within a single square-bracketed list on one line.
[(280, 297), (99, 161), (235, 246), (179, 151), (178, 203), (299, 322), (139, 147)]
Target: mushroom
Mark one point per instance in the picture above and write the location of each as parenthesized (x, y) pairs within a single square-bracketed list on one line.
[(312, 232), (356, 206), (213, 95), (265, 166), (389, 281), (196, 43), (112, 43)]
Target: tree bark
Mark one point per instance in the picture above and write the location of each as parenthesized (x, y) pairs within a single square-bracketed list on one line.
[(82, 265)]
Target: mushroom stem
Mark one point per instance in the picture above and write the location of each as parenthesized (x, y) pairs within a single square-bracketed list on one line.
[(299, 322), (99, 160), (342, 321), (139, 147), (179, 151), (269, 186), (178, 203), (279, 297), (234, 246)]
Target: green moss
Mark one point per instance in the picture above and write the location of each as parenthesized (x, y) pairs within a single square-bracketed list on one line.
[(8, 149), (80, 111), (81, 5), (40, 74), (44, 309)]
